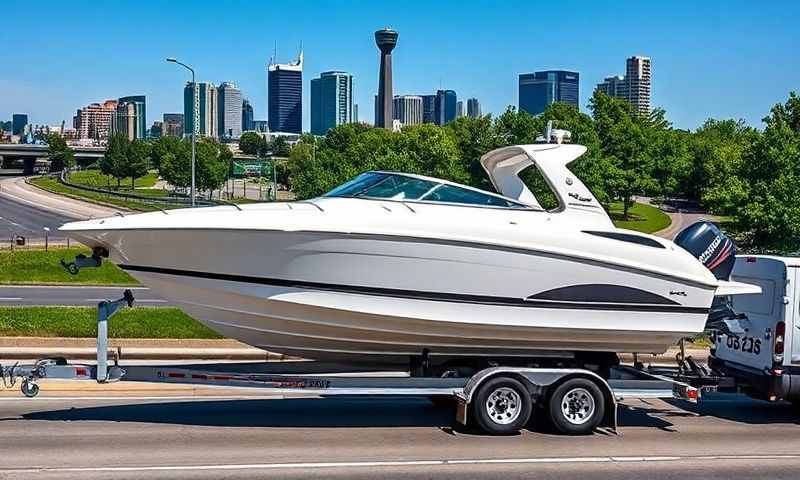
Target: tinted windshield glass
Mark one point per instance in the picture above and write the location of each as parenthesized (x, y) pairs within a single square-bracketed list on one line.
[(453, 194), (383, 185), (356, 185), (401, 187)]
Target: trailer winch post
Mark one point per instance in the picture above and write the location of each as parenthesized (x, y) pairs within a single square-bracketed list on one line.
[(105, 310)]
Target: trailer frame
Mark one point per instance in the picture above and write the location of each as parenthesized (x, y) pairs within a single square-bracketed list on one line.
[(325, 379)]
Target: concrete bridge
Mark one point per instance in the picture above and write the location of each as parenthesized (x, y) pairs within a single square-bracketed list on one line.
[(22, 158)]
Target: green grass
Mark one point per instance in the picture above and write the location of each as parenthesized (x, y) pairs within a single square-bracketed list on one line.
[(35, 266), (53, 185), (93, 178), (641, 217), (81, 322)]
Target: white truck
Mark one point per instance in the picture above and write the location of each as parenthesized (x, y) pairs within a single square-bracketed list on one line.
[(764, 360)]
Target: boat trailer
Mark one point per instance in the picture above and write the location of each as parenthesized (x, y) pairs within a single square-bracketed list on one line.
[(500, 399)]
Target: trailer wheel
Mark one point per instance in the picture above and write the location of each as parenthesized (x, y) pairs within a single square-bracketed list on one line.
[(29, 389), (502, 406), (577, 406)]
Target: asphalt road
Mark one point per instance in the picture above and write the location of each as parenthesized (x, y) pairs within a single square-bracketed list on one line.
[(18, 218), (63, 295), (729, 437)]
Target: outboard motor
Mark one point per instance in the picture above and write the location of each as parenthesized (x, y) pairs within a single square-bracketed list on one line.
[(706, 242)]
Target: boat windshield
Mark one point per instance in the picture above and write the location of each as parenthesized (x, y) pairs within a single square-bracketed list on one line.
[(393, 186)]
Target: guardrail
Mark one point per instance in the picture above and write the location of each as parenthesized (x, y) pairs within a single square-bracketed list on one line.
[(173, 200)]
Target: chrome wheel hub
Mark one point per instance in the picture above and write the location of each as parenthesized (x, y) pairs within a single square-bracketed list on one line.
[(504, 405), (578, 406)]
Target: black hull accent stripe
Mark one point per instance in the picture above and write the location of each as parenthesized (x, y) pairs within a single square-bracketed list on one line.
[(420, 295)]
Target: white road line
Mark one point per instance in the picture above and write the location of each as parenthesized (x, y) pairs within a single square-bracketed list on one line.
[(10, 299), (389, 463)]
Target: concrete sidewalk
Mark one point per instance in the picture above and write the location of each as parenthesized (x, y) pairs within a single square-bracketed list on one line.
[(27, 348)]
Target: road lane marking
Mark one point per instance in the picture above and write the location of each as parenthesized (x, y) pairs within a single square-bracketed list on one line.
[(399, 463), (10, 299)]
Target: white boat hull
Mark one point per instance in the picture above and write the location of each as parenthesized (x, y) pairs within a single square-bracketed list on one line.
[(339, 296)]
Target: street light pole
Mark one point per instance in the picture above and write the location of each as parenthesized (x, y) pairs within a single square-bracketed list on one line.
[(195, 119)]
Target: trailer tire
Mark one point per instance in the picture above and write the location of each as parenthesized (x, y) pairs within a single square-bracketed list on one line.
[(577, 406), (502, 406)]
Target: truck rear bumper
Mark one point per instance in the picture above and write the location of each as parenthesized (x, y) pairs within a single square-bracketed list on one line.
[(756, 383)]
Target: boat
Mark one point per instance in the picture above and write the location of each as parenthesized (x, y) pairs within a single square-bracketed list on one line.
[(394, 266)]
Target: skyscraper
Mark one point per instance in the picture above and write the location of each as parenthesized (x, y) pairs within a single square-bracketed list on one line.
[(613, 86), (206, 114), (634, 87), (285, 92), (539, 89), (637, 76), (445, 107), (157, 129), (428, 108), (408, 109), (130, 118), (229, 110), (94, 120), (331, 101), (247, 116), (473, 108), (18, 122), (460, 109), (173, 125), (386, 40)]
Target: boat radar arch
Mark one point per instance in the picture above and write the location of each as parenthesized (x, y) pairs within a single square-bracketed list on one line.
[(504, 165)]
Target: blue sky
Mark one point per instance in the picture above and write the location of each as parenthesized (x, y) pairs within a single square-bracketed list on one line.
[(717, 59)]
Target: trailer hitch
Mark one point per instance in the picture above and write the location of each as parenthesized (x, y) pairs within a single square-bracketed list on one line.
[(82, 261)]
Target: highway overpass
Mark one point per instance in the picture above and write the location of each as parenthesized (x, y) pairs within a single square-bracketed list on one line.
[(22, 157)]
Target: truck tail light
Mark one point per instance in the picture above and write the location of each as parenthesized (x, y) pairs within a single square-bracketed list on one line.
[(778, 348)]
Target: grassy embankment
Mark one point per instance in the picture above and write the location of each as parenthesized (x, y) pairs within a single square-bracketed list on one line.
[(641, 217), (81, 322), (53, 185), (37, 267)]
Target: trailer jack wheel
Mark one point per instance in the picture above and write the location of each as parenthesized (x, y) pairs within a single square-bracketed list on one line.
[(29, 388)]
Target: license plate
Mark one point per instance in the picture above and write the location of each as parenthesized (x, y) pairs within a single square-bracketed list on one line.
[(743, 344)]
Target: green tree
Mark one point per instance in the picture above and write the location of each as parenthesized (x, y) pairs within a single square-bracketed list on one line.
[(623, 139), (213, 164), (176, 165), (252, 143), (717, 150), (770, 215), (61, 156), (138, 160), (160, 147), (114, 162), (279, 147)]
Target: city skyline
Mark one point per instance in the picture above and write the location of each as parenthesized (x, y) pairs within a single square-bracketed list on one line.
[(691, 85)]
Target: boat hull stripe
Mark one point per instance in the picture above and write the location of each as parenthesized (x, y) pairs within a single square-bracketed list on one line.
[(418, 295)]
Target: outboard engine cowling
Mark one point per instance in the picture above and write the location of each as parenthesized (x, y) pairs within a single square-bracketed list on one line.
[(708, 244), (717, 252)]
